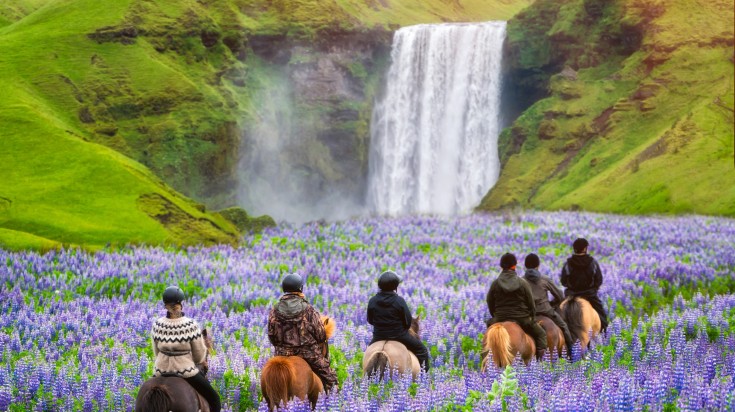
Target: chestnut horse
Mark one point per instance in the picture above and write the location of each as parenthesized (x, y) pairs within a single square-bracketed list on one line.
[(581, 318), (391, 356), (505, 340), (286, 377), (554, 336), (171, 393)]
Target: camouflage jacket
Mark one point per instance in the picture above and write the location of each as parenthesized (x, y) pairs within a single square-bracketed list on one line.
[(294, 323)]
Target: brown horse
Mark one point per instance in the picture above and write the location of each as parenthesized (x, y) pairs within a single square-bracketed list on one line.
[(286, 377), (581, 318), (554, 336), (505, 340), (391, 356), (172, 394)]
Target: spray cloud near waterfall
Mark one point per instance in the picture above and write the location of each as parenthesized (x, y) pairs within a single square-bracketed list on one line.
[(287, 168)]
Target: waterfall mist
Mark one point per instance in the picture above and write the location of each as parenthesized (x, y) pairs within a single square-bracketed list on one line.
[(283, 162), (434, 133)]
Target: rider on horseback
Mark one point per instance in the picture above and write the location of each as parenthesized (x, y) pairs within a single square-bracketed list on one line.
[(295, 329), (582, 277), (510, 299), (391, 318), (540, 285), (179, 347)]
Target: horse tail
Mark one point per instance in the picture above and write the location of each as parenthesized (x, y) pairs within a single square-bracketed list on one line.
[(276, 378), (157, 399), (498, 341), (379, 362), (574, 318)]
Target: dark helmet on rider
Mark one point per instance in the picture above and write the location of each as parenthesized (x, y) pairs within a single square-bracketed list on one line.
[(580, 245), (508, 260), (173, 294), (388, 281), (292, 283), (532, 261)]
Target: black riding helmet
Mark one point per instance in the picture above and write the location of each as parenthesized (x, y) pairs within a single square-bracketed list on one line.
[(389, 281), (173, 294), (292, 283)]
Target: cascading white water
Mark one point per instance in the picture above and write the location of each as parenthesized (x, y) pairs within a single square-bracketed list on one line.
[(434, 133)]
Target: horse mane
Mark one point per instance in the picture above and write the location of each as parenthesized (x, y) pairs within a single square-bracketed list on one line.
[(414, 329), (497, 340), (572, 314), (275, 378), (329, 326), (157, 399)]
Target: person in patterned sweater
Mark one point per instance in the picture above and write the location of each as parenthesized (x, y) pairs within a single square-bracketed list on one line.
[(295, 329), (178, 345)]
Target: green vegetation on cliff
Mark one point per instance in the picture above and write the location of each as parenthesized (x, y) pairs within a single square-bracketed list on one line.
[(112, 108), (639, 117)]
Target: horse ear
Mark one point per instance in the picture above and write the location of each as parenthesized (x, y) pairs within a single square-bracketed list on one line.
[(418, 317), (326, 320)]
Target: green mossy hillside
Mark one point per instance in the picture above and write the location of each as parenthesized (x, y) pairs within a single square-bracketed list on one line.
[(638, 116), (112, 108)]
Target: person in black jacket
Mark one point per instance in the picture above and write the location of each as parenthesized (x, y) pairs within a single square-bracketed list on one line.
[(391, 318), (582, 276), (541, 286), (510, 299)]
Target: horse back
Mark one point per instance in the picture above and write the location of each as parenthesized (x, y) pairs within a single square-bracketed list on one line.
[(164, 394)]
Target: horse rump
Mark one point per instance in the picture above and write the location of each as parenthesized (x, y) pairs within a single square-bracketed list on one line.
[(275, 380), (574, 317), (378, 363)]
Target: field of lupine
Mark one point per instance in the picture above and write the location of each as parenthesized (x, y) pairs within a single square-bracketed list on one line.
[(74, 326)]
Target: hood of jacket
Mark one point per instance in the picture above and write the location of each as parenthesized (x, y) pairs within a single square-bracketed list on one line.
[(385, 299), (580, 261), (291, 305), (532, 274), (508, 281)]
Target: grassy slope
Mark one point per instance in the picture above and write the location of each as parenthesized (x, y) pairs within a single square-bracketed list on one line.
[(165, 108), (667, 146), (59, 188)]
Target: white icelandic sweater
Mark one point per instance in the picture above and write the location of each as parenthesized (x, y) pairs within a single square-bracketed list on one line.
[(178, 345)]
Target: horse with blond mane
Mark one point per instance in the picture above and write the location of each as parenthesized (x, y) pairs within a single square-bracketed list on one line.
[(286, 377)]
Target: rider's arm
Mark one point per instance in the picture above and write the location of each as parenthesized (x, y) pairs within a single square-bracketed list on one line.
[(316, 326), (529, 297), (198, 349), (565, 275), (272, 330), (555, 292), (491, 300), (597, 276), (155, 346), (406, 314)]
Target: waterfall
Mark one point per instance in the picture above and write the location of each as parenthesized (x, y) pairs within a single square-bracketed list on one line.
[(434, 132)]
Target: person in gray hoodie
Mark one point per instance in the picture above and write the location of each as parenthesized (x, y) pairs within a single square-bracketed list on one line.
[(510, 299), (541, 286)]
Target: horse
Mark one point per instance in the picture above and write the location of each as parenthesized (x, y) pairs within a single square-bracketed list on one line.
[(286, 377), (554, 336), (171, 393), (581, 318), (505, 340), (390, 355)]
